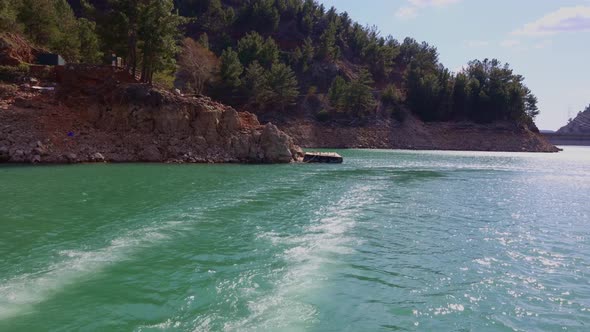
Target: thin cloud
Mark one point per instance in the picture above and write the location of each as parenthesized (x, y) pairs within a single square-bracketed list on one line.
[(566, 19), (515, 45), (477, 43), (414, 6), (427, 3), (543, 44), (407, 12), (509, 43)]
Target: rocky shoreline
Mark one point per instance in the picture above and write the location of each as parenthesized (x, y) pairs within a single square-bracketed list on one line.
[(413, 134), (97, 114), (135, 123)]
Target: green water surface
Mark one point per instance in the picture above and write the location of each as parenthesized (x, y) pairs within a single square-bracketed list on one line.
[(388, 241)]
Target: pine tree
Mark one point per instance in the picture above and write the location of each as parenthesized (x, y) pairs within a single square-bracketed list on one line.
[(328, 47), (308, 53), (216, 18), (67, 41), (51, 24), (231, 69), (120, 28), (204, 40), (158, 32), (269, 54), (337, 93), (253, 47), (391, 96), (530, 105), (296, 57), (249, 47), (254, 83), (307, 23), (89, 42), (360, 99), (8, 15), (281, 87), (265, 17), (39, 20), (460, 96)]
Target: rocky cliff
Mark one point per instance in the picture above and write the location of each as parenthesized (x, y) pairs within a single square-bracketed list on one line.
[(87, 120), (579, 125), (14, 50), (415, 134), (98, 114)]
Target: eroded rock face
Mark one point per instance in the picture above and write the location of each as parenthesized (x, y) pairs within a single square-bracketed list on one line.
[(579, 125), (4, 154), (97, 157), (230, 121), (14, 50), (133, 122), (275, 144)]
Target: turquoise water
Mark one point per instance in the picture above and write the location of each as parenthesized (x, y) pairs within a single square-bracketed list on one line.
[(390, 240)]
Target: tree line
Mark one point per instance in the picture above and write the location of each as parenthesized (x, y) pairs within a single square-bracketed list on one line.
[(273, 54), (144, 32)]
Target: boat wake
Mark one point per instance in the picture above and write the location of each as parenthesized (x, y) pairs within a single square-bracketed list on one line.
[(20, 294), (308, 257)]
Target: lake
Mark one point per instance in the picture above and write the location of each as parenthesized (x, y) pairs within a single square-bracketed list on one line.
[(390, 240)]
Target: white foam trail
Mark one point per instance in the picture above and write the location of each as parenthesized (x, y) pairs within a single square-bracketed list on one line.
[(309, 253), (19, 295)]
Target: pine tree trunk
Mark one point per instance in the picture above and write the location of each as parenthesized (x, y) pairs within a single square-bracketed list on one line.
[(144, 68), (132, 41)]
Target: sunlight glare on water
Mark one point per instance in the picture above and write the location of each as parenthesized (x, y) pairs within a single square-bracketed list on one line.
[(390, 240)]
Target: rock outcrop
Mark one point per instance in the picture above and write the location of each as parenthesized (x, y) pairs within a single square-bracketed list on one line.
[(120, 122), (15, 50), (579, 125), (416, 135)]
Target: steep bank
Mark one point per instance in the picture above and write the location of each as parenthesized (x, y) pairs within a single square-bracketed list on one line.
[(580, 125), (14, 50), (87, 120), (415, 134), (576, 132)]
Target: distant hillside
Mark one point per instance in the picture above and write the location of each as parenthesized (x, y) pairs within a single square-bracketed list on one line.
[(579, 125), (299, 57), (294, 63)]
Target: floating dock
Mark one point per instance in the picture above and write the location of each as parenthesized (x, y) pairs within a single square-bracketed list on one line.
[(323, 157)]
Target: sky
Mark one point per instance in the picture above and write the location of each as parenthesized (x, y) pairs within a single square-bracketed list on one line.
[(546, 41)]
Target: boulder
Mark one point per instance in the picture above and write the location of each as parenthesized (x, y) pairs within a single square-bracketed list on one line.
[(4, 154), (170, 120), (206, 124), (18, 155), (230, 121), (40, 149), (71, 157), (297, 152), (97, 157), (276, 145), (150, 153), (245, 148)]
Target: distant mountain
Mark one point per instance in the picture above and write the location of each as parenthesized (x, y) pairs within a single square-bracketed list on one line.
[(579, 125)]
